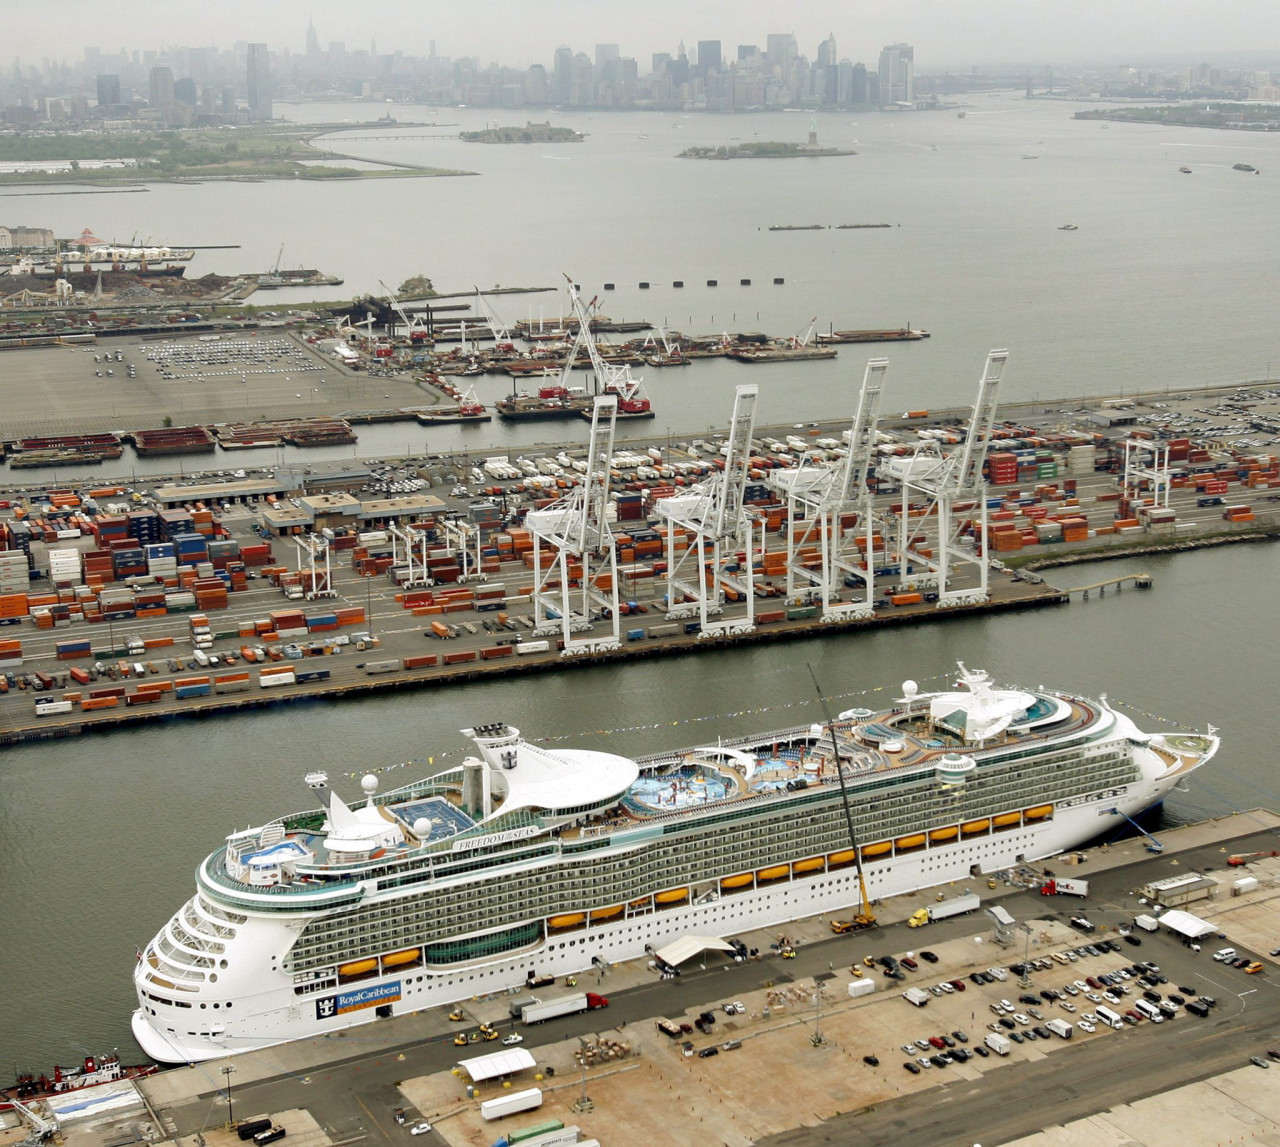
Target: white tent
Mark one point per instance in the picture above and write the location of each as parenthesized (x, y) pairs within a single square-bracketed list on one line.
[(505, 1062), (1187, 925), (687, 947)]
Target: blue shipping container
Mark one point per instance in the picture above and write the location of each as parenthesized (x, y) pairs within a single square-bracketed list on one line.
[(184, 691)]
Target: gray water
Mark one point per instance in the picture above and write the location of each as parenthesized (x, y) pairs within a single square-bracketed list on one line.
[(1166, 282)]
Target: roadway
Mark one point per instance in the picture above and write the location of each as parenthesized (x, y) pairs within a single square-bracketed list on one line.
[(356, 1095)]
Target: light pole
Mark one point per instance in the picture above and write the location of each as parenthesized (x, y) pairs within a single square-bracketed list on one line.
[(583, 1103), (1025, 982), (226, 1071), (817, 1039)]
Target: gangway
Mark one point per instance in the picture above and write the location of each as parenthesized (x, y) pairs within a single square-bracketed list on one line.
[(1153, 844), (1140, 581)]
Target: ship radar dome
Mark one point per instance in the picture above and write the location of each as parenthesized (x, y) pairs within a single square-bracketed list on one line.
[(422, 828), (910, 689), (369, 783)]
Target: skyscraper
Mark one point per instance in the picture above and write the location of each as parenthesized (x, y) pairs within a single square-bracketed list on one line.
[(108, 91), (708, 56), (313, 42), (161, 87), (259, 82), (897, 75)]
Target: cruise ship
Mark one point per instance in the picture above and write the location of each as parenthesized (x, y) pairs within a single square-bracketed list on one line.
[(528, 860)]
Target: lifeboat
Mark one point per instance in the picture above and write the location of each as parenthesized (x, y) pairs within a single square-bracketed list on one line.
[(606, 913), (395, 959), (1038, 813), (672, 896), (971, 826), (1005, 819), (875, 849), (643, 902), (739, 881), (568, 920), (813, 864), (940, 834), (774, 872), (915, 840), (845, 857), (358, 967)]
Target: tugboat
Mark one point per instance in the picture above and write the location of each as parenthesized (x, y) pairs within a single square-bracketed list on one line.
[(95, 1070)]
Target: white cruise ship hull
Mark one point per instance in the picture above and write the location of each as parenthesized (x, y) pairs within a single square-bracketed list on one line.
[(268, 1011)]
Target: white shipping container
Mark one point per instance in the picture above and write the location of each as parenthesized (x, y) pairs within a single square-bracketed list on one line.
[(1244, 884)]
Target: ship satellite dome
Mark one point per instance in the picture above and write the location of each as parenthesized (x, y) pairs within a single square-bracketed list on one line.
[(369, 783), (422, 828), (815, 730), (910, 689)]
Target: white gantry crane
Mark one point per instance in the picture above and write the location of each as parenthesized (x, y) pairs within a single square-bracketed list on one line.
[(578, 585), (412, 325), (1146, 474), (934, 487), (500, 331), (313, 561), (829, 508), (717, 560)]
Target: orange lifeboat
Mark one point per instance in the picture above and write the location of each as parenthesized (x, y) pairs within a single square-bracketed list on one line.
[(1005, 819), (1038, 813), (971, 826), (672, 896), (395, 959), (739, 881), (941, 834), (775, 872), (845, 857), (813, 864), (878, 849), (358, 967), (606, 913), (915, 840), (568, 920)]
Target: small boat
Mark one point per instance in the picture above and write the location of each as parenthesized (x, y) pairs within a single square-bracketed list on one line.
[(1030, 155), (1244, 167), (1068, 227), (1185, 170)]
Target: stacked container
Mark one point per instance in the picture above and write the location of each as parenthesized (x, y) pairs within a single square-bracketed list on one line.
[(64, 567)]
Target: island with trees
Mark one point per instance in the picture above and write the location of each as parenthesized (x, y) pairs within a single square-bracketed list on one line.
[(764, 149), (530, 133)]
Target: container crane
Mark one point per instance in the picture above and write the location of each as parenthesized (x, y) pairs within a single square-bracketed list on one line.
[(819, 499), (718, 557), (945, 483), (579, 586)]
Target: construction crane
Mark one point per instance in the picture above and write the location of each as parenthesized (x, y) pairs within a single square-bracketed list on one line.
[(578, 587), (820, 498), (1242, 858), (865, 918), (415, 328), (42, 1129), (930, 544), (502, 340), (717, 559)]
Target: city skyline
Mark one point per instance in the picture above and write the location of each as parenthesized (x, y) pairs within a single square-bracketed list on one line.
[(520, 34)]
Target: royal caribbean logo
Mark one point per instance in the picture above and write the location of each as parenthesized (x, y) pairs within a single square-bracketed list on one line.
[(329, 1006)]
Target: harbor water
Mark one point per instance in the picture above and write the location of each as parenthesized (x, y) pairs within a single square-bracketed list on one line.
[(1164, 284), (100, 836)]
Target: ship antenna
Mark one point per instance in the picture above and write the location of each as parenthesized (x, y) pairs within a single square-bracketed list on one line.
[(866, 919)]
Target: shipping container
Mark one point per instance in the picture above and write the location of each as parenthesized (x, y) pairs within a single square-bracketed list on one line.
[(373, 667), (275, 680)]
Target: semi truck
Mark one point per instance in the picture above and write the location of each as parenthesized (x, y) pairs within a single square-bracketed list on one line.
[(957, 906), (564, 1006), (511, 1103), (1061, 887)]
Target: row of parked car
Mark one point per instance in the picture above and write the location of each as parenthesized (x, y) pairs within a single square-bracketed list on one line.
[(936, 1051)]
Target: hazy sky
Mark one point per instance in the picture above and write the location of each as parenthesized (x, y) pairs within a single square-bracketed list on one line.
[(945, 33)]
